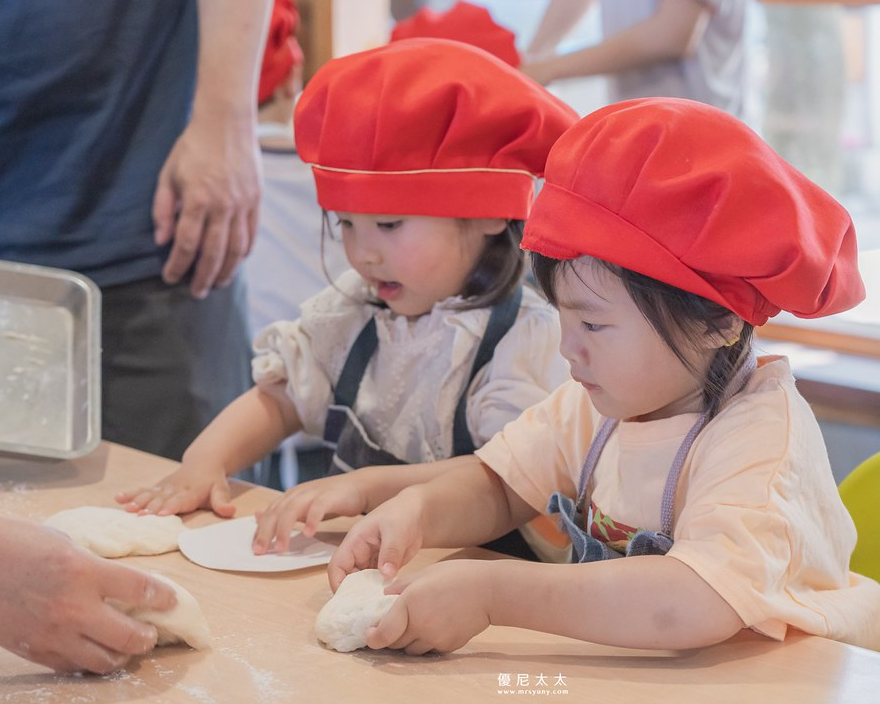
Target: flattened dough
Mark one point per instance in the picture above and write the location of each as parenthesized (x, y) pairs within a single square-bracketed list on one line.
[(359, 603), (185, 623), (113, 532)]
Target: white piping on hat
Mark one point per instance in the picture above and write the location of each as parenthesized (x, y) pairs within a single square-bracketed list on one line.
[(424, 171)]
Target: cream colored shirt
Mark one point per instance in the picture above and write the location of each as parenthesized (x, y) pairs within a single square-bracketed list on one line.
[(411, 386), (757, 512)]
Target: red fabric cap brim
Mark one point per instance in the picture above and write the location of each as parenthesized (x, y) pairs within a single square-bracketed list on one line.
[(614, 240), (458, 194)]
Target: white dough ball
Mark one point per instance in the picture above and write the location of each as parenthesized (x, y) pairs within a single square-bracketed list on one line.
[(185, 623), (358, 604)]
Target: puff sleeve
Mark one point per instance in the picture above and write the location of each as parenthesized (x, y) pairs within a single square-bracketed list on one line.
[(307, 354)]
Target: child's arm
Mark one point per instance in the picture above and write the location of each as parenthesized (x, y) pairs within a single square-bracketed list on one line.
[(636, 602), (465, 505), (244, 432), (652, 601), (345, 495), (639, 602)]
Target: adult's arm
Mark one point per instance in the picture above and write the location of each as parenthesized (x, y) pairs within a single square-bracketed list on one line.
[(673, 32), (208, 192), (558, 20)]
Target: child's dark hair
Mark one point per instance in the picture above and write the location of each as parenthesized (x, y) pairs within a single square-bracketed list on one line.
[(678, 316), (498, 270)]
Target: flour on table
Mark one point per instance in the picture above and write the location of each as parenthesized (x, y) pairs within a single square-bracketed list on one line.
[(112, 532), (185, 623), (358, 604)]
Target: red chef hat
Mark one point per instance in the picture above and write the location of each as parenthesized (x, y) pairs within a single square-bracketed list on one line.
[(686, 194), (427, 127), (465, 23), (282, 50)]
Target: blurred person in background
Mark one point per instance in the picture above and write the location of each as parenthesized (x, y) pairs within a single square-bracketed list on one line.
[(673, 48)]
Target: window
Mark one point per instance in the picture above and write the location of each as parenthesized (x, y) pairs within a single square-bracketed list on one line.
[(815, 97)]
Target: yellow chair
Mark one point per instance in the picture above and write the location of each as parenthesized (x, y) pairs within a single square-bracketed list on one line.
[(860, 491)]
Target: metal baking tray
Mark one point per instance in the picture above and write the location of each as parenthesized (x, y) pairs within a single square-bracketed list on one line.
[(50, 366)]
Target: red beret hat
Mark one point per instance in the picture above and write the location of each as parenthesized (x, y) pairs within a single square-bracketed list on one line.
[(464, 22), (427, 127), (686, 194), (282, 50)]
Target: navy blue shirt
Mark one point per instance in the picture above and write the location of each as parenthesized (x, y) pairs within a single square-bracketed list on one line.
[(93, 94)]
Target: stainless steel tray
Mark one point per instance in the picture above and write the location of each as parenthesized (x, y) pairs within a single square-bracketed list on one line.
[(50, 368)]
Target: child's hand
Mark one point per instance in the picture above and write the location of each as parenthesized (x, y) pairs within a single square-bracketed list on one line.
[(386, 538), (187, 489), (308, 503), (440, 608)]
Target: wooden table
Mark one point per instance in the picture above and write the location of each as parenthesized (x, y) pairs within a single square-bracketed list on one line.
[(264, 648)]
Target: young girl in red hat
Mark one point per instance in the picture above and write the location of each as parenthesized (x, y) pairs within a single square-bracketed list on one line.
[(665, 232), (425, 152)]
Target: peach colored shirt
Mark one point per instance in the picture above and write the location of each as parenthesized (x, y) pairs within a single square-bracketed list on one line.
[(757, 513)]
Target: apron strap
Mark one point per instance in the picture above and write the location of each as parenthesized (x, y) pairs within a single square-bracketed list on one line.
[(501, 319), (358, 358), (596, 447), (739, 380)]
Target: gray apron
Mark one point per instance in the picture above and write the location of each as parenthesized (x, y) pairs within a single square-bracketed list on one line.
[(575, 516)]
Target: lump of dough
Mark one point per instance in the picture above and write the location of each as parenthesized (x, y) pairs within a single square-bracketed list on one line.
[(113, 532), (185, 623), (359, 603)]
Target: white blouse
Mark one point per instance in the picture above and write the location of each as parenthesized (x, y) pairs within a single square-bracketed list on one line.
[(411, 386)]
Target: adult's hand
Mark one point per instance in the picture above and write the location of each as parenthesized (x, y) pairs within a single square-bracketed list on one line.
[(53, 607), (207, 199)]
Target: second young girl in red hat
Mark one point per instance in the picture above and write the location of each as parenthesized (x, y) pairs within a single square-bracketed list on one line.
[(425, 153), (691, 476)]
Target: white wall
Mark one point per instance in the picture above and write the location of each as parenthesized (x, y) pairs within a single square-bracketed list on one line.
[(359, 25)]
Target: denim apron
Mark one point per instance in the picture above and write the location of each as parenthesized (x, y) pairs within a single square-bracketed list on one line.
[(353, 448), (346, 434), (572, 516)]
